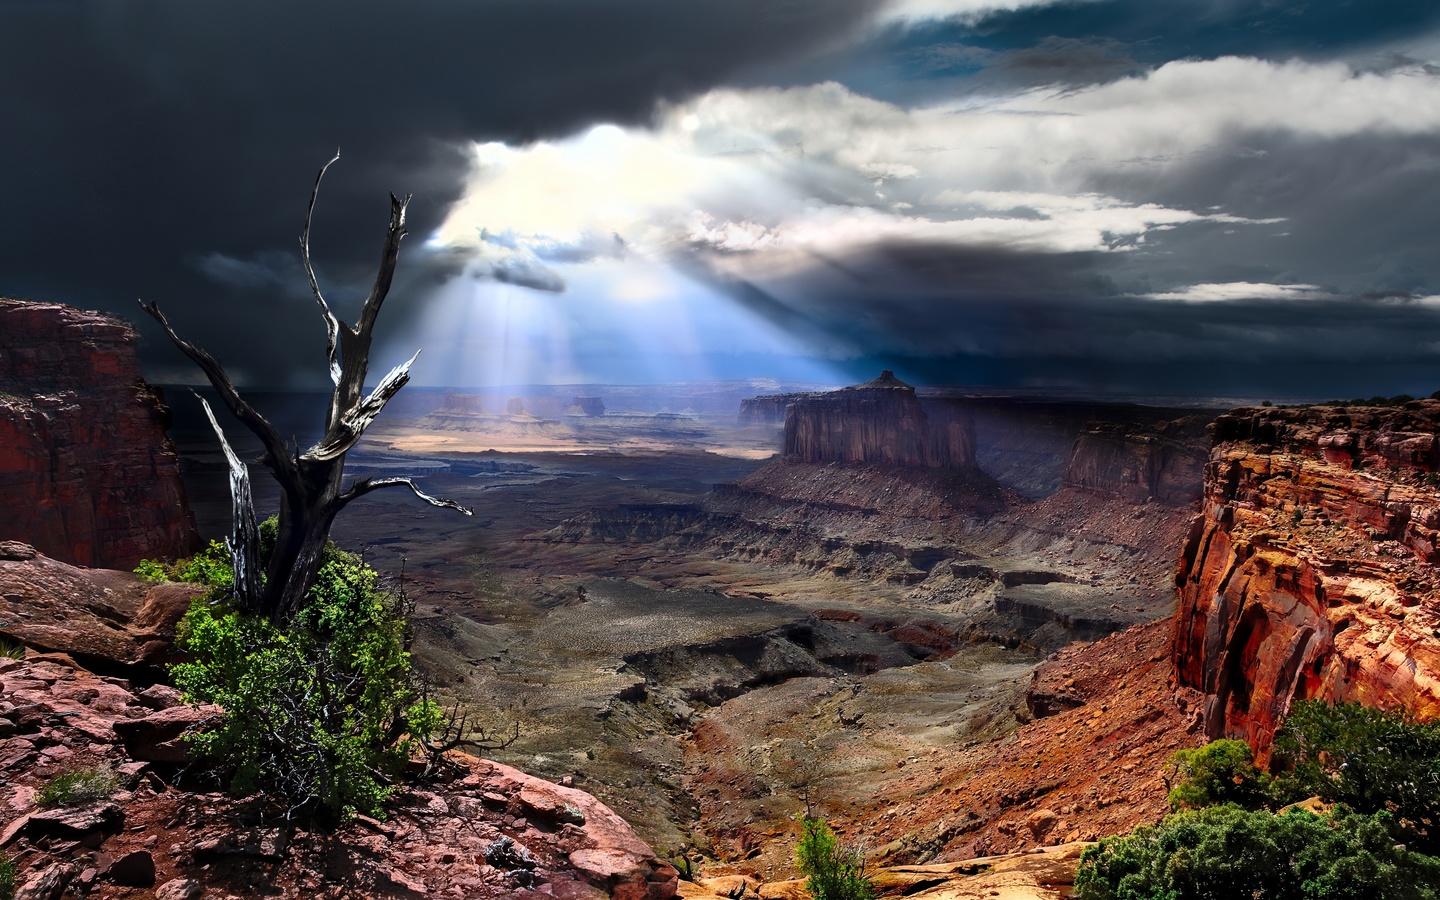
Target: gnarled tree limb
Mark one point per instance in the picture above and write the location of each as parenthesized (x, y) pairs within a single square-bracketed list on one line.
[(345, 432), (276, 457), (311, 494), (367, 485), (244, 541), (332, 324)]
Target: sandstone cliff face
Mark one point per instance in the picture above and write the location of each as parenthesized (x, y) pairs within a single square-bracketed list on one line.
[(1163, 462), (87, 475), (1311, 572), (881, 421)]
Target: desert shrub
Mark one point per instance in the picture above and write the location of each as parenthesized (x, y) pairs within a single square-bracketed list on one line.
[(1222, 771), (11, 649), (1227, 852), (7, 877), (79, 785), (1369, 759), (323, 713), (831, 872), (211, 566)]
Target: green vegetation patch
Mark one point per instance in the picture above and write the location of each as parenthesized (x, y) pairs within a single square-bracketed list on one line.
[(322, 714), (211, 566), (1227, 852), (80, 785), (1381, 769), (7, 877), (831, 872)]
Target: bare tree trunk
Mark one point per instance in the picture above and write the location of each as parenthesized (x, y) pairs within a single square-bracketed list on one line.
[(311, 483)]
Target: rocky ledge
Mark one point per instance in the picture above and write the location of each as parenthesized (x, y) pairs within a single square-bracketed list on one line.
[(484, 830), (1312, 571), (106, 618)]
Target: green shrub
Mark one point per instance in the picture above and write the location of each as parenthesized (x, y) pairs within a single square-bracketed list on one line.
[(11, 649), (1220, 772), (79, 785), (832, 872), (7, 877), (1369, 759), (210, 566), (322, 714), (1227, 852)]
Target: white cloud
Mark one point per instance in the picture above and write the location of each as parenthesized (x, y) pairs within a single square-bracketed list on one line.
[(967, 10), (1243, 290), (769, 178)]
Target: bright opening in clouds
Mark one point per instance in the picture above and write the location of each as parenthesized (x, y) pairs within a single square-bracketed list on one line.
[(623, 243)]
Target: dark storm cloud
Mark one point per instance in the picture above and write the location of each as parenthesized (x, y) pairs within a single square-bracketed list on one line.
[(166, 148), (951, 315), (1082, 43)]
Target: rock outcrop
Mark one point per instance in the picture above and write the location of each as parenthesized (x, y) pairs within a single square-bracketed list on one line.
[(87, 475), (881, 421), (99, 616), (1163, 462), (485, 830), (1312, 571)]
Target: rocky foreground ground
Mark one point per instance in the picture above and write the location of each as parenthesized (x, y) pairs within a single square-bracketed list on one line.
[(479, 830)]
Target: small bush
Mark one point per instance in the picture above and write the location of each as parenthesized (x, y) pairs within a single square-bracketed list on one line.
[(832, 872), (210, 566), (1228, 852), (7, 877), (11, 649), (1369, 759), (80, 785), (1220, 772), (322, 714)]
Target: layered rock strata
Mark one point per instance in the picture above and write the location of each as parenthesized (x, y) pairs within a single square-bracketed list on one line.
[(1312, 571), (87, 474), (881, 421)]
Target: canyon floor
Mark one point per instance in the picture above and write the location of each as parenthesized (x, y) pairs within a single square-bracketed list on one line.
[(844, 628)]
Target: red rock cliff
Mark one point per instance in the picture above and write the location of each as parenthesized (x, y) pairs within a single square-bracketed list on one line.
[(87, 475), (881, 421), (1311, 572), (1161, 462)]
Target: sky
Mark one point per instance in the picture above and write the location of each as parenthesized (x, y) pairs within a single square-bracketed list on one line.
[(1202, 197)]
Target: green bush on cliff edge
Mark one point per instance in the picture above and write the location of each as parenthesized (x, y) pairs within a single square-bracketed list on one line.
[(322, 714), (1227, 852), (1382, 770)]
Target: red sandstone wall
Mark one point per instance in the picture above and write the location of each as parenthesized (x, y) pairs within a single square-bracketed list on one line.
[(878, 422), (87, 475), (1163, 462), (1311, 572)]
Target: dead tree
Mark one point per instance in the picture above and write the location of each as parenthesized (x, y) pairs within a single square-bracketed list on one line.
[(312, 492)]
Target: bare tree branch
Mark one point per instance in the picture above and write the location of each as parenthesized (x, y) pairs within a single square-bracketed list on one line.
[(332, 324), (244, 542), (386, 274), (347, 429), (367, 485), (276, 458)]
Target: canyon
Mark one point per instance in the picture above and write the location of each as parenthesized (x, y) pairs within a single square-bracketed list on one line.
[(953, 624)]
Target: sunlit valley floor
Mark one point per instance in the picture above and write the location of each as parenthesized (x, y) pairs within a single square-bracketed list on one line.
[(704, 639)]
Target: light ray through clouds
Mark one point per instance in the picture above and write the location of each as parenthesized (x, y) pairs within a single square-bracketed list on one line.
[(621, 253)]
